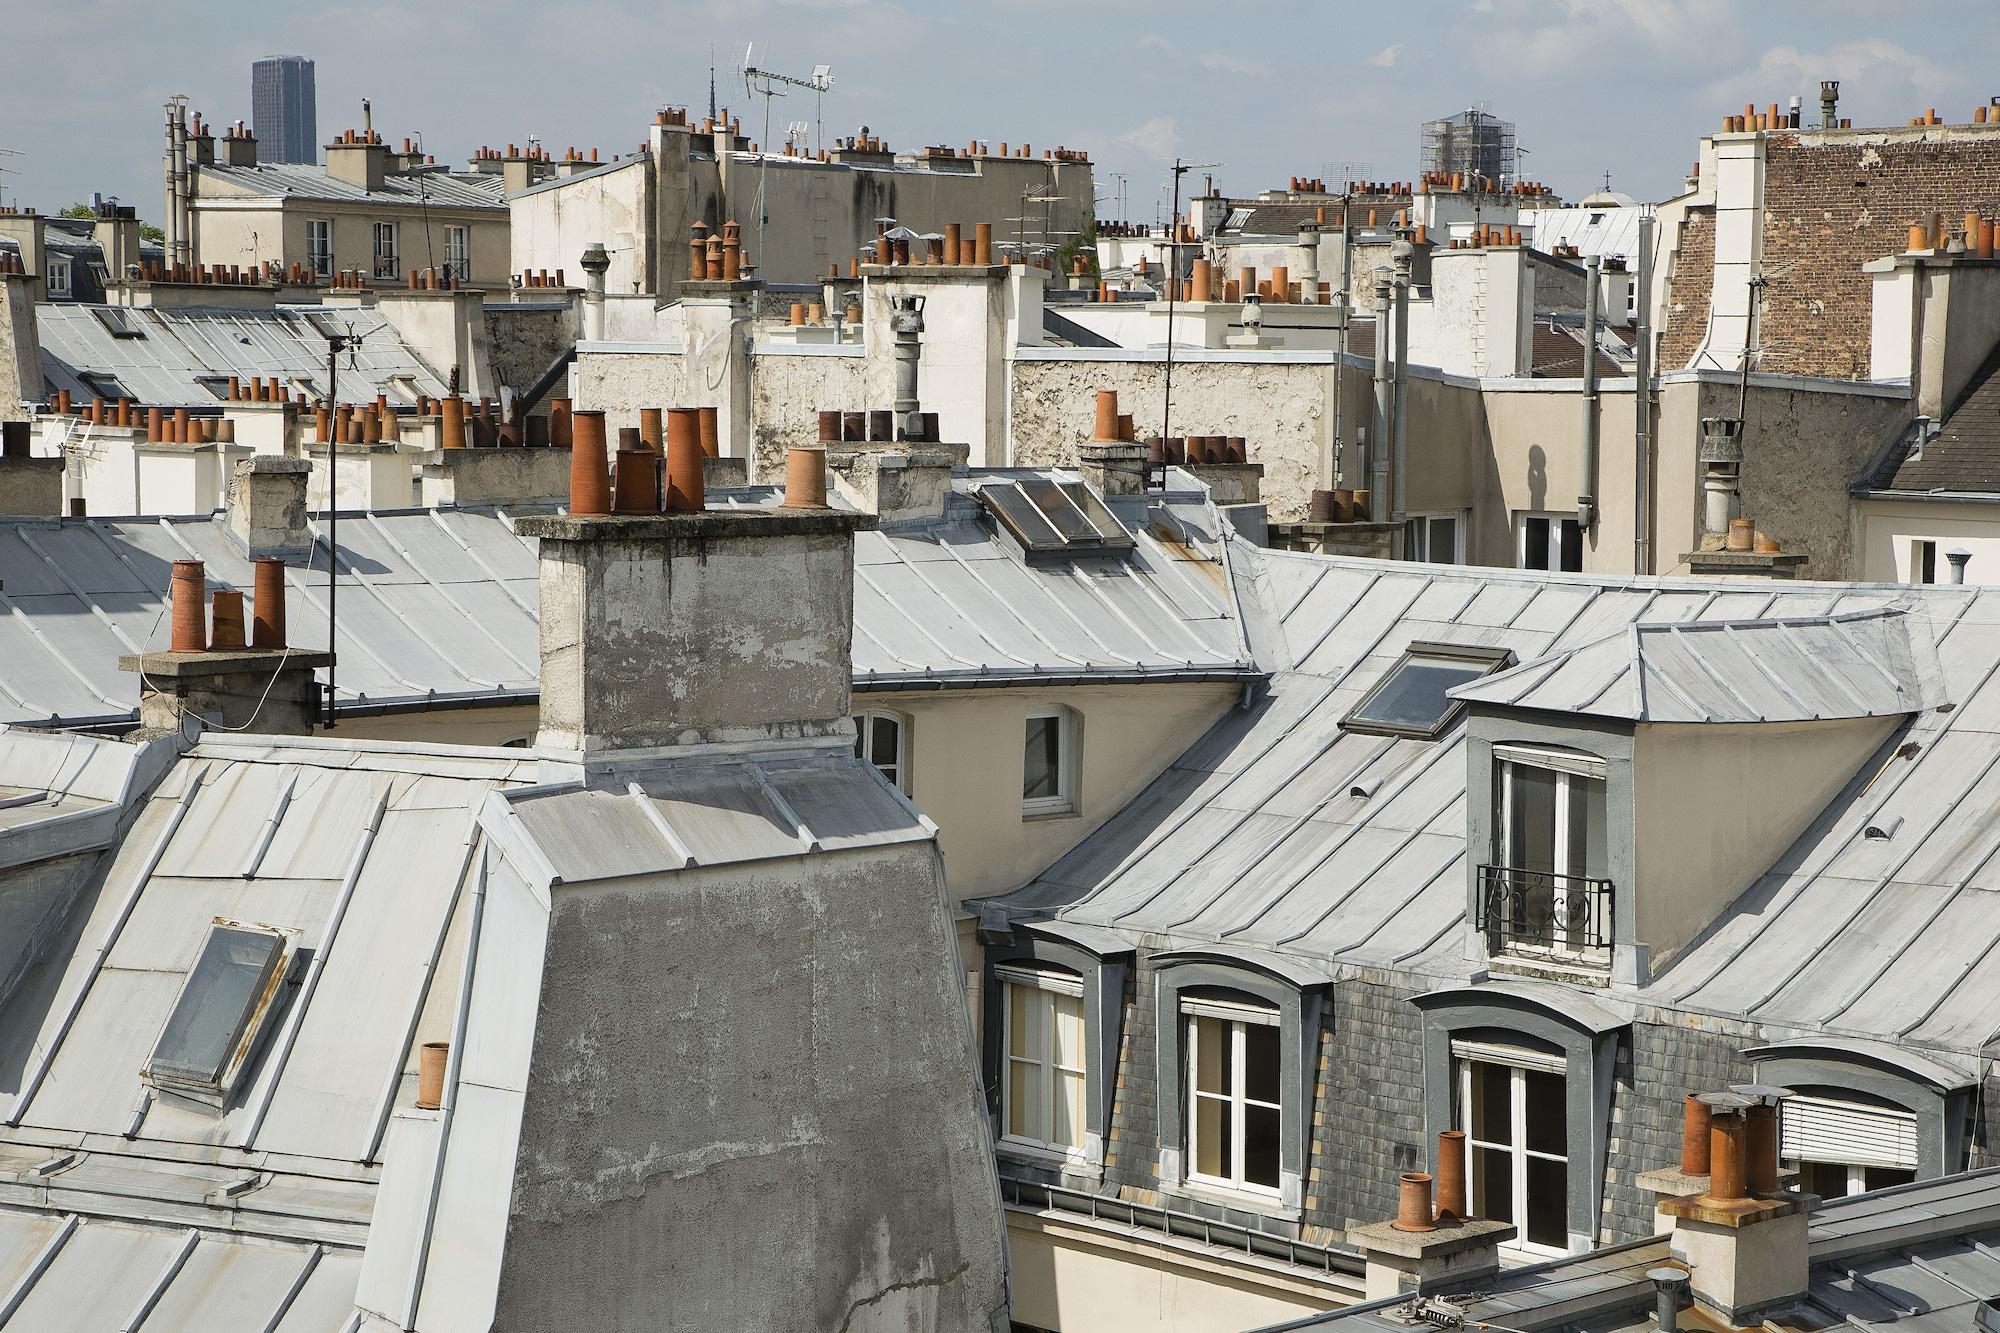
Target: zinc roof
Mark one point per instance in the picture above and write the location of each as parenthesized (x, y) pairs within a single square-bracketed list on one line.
[(438, 188)]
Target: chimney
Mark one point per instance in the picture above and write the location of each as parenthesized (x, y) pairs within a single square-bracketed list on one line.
[(1746, 1246), (1829, 103), (713, 627), (267, 506), (198, 683), (1110, 465), (239, 147), (29, 487), (903, 482), (358, 161), (1424, 1249), (20, 346)]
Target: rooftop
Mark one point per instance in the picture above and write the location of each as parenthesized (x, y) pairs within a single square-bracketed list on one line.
[(433, 186)]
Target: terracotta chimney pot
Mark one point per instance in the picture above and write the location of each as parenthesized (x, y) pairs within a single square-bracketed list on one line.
[(709, 422), (805, 476), (589, 479), (1694, 1137), (685, 490), (1107, 415), (267, 626), (189, 628), (1413, 1202), (1450, 1164), (226, 616), (651, 425), (432, 1058)]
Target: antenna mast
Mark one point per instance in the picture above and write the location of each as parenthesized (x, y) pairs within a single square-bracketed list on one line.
[(769, 84)]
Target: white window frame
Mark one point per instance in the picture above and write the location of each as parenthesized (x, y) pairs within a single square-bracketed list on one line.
[(1239, 1018), (1556, 519), (1064, 802), (458, 257), (1570, 768), (55, 268), (1046, 990), (386, 265), (1517, 1063), (897, 769), (1419, 539), (1900, 1154), (320, 258)]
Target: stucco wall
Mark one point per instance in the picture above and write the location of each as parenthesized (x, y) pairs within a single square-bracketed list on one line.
[(255, 230), (618, 384), (1888, 528), (787, 390), (524, 340), (553, 226)]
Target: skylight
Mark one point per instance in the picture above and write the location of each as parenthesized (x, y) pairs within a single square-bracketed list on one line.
[(1410, 699), (1054, 518), (119, 321), (222, 1004)]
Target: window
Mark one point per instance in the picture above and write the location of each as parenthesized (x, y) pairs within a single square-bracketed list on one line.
[(1548, 541), (1043, 1093), (1843, 1147), (1547, 886), (1048, 763), (57, 276), (1410, 698), (222, 1003), (319, 246), (1233, 1108), (387, 263), (1511, 1105), (458, 252), (119, 321), (878, 738), (1923, 561), (1434, 538)]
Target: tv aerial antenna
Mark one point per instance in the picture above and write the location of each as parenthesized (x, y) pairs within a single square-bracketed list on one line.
[(768, 84)]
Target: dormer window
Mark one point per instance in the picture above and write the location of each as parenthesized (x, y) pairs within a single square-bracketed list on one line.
[(1547, 888), (223, 1005), (1410, 699)]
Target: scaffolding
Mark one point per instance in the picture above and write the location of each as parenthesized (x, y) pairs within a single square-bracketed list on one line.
[(1475, 142)]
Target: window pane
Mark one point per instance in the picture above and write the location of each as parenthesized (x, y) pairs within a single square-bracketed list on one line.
[(1587, 853), (884, 747), (1260, 1063), (1534, 543), (1024, 1086), (1041, 772), (1531, 820), (1882, 1177), (1546, 1127), (1024, 1021), (1213, 1130), (1493, 1183), (1547, 1222), (1826, 1179), (1492, 1103), (213, 1011), (1068, 1013), (1572, 546), (1068, 1127), (1413, 694), (1442, 545), (1211, 1043), (1260, 1145)]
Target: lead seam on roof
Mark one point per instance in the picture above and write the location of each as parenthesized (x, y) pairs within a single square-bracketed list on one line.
[(800, 829), (189, 1239), (44, 1257), (437, 517), (367, 581), (658, 819), (986, 586), (291, 1296), (279, 805), (444, 593)]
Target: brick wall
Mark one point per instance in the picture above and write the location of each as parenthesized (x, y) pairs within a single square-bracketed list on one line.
[(1688, 295)]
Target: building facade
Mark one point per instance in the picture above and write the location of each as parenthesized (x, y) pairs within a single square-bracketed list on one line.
[(284, 109)]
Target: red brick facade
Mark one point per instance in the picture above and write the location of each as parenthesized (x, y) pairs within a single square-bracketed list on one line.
[(1692, 282)]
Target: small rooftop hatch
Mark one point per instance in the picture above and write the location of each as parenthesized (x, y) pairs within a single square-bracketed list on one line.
[(1411, 700), (221, 1008), (1054, 518)]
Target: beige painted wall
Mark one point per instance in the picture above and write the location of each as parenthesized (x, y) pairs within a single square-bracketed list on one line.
[(1889, 528), (446, 726), (1076, 1278), (1130, 733), (248, 229), (552, 227), (1715, 806)]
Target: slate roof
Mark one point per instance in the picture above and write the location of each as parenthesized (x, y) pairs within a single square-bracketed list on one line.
[(1919, 1258), (1281, 836), (181, 347), (438, 607), (439, 188), (1877, 663), (1964, 455), (1557, 353)]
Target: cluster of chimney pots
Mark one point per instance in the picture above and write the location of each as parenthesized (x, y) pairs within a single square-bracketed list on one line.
[(221, 628), (715, 257), (1113, 427), (1930, 234), (1278, 288), (658, 465), (875, 426), (1729, 1138), (1339, 505)]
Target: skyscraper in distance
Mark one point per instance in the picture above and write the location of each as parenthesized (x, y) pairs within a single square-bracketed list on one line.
[(284, 109)]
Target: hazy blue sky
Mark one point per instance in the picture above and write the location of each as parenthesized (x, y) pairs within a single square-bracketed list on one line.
[(1269, 88)]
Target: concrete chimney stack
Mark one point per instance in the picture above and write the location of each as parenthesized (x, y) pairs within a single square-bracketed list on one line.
[(267, 506), (1829, 104), (1745, 1246)]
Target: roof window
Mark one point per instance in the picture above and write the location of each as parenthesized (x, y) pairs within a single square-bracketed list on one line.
[(119, 321), (222, 1008), (1410, 699), (1054, 518)]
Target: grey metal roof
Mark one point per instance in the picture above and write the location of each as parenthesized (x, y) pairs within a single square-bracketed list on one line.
[(165, 367), (439, 188), (1918, 1257), (1278, 831), (438, 607), (1874, 663)]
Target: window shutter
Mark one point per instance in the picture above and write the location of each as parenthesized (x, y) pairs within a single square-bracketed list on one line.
[(1562, 761), (1495, 1054), (1819, 1129)]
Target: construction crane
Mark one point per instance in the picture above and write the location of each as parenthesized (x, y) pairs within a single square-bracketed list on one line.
[(769, 84)]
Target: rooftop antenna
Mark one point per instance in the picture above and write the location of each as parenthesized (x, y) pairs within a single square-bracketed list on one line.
[(6, 170), (1173, 282), (769, 84)]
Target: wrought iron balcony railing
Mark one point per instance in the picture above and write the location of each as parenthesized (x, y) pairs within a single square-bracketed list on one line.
[(1538, 910)]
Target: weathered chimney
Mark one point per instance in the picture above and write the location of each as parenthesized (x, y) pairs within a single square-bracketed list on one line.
[(196, 684), (1424, 1248), (906, 323), (717, 627), (596, 262), (1746, 1247), (1829, 102), (20, 346), (29, 487), (267, 506), (1110, 465)]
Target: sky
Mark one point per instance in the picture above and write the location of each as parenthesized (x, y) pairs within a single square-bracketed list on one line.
[(1267, 89)]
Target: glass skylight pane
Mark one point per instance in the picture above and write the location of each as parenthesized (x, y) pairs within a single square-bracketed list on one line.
[(1413, 695), (216, 1006)]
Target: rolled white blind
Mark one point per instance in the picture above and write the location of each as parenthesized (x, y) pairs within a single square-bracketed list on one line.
[(1819, 1129)]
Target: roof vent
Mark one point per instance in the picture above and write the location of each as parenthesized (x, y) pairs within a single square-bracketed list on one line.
[(1882, 830)]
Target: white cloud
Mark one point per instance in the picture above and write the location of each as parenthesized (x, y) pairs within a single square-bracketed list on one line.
[(1871, 67), (1386, 58), (1238, 65), (1157, 138), (1152, 41)]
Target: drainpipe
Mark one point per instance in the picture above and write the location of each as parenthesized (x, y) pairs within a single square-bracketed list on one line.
[(1586, 501), (1378, 434), (1338, 476), (1642, 408), (1402, 252), (596, 262), (173, 218)]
